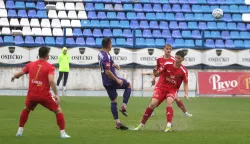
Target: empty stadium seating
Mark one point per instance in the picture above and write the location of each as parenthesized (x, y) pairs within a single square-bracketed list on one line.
[(145, 23)]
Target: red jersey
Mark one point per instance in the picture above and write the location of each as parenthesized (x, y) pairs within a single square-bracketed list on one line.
[(39, 87), (160, 63), (173, 77)]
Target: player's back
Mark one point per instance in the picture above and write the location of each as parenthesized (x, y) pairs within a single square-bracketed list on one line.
[(39, 86)]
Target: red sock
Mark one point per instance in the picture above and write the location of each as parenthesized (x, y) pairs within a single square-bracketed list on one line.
[(146, 115), (169, 114), (181, 105), (60, 121), (24, 117)]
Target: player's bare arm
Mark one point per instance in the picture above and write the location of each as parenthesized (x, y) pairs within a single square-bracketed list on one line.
[(186, 91), (17, 75), (53, 86), (116, 66), (113, 77)]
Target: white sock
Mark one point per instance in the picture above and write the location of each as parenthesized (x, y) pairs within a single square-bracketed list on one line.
[(124, 105), (169, 124), (118, 121), (141, 124), (20, 129), (62, 131)]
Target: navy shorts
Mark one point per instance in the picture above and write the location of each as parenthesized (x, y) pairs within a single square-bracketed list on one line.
[(111, 90)]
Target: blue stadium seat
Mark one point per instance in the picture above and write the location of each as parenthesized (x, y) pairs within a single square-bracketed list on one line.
[(192, 1), (219, 44), (192, 25), (1, 41), (107, 33), (211, 25), (183, 25), (248, 26), (179, 43), (179, 17), (164, 25), (130, 42), (215, 34), (39, 40), (231, 26), (189, 43), (166, 8), (208, 17), (89, 7), (85, 23), (121, 16), (150, 16), (160, 16), (186, 8), (134, 24), (138, 33), (166, 34), (225, 35), (114, 24), (12, 13), (30, 5), (94, 23), (101, 15), (117, 32), (239, 44), (176, 8), (241, 26), (234, 8), (205, 8), (131, 16), (19, 5), (87, 32), (212, 2), (230, 1), (128, 7), (170, 41), (189, 17), (247, 43), (244, 35), (145, 1), (80, 41), (98, 42), (104, 23), (183, 1), (209, 43), (225, 8), (176, 34), (19, 40), (146, 33), (202, 25), (50, 41), (198, 43), (150, 42), (140, 16), (97, 33), (22, 14), (186, 34), (32, 14), (70, 42), (140, 42), (234, 35), (158, 1), (40, 5), (144, 24), (221, 26), (237, 17), (147, 8), (10, 4), (59, 41), (159, 42), (29, 40), (157, 34), (229, 44), (92, 15), (196, 34), (138, 7), (207, 34), (124, 24), (227, 18), (153, 24), (157, 8), (243, 9), (99, 6), (127, 33), (120, 42), (240, 2), (173, 25), (42, 14), (196, 8)]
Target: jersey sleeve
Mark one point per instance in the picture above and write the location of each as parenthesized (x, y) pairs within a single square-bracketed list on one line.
[(51, 70), (106, 64), (185, 78), (157, 64), (26, 68)]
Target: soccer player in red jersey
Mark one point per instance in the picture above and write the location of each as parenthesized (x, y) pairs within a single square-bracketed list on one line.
[(174, 74), (160, 63), (41, 78)]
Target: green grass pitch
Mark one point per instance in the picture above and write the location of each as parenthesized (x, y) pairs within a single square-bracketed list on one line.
[(89, 121)]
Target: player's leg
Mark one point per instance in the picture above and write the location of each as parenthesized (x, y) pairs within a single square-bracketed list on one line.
[(25, 115), (181, 105), (65, 78), (157, 98), (126, 95), (113, 106), (59, 79), (169, 112), (51, 105)]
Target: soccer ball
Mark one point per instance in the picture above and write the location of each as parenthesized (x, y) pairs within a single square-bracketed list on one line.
[(217, 13)]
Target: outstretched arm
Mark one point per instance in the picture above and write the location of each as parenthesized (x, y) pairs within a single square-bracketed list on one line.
[(17, 75)]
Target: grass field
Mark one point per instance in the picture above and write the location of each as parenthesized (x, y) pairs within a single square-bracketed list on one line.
[(89, 121)]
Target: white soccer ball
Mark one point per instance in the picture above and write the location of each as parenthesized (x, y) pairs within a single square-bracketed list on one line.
[(217, 13)]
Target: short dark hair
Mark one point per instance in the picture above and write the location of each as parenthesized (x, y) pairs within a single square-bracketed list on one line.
[(180, 53), (167, 45), (43, 52), (105, 42)]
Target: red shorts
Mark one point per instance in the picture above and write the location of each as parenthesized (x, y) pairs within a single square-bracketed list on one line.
[(48, 103), (161, 94)]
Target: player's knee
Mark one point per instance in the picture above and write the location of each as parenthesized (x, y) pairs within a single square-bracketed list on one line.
[(59, 110), (153, 104), (27, 109), (170, 101), (115, 100)]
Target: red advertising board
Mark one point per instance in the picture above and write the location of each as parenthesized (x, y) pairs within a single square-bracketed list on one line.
[(224, 83)]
